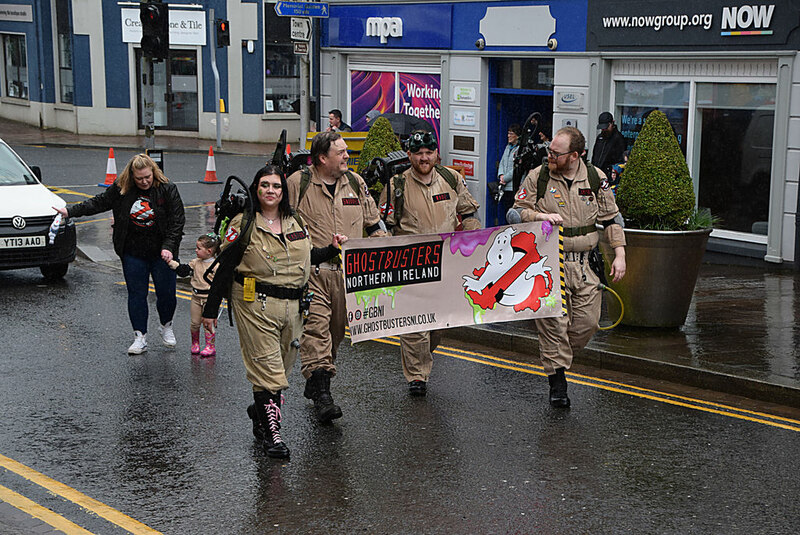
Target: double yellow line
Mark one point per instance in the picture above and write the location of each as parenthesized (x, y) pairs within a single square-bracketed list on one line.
[(55, 520)]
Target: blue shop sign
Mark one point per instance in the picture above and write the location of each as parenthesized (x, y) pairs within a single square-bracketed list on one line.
[(459, 26)]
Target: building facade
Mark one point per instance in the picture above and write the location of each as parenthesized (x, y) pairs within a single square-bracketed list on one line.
[(77, 65), (723, 73)]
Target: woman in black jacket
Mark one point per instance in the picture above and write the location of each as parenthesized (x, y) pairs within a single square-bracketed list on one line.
[(148, 226)]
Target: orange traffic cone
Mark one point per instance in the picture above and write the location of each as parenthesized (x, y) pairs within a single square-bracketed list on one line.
[(111, 169), (211, 169)]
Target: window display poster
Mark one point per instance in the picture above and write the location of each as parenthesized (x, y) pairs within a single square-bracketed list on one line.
[(631, 119), (420, 96), (370, 91)]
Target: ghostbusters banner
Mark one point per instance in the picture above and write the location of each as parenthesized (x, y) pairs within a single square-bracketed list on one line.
[(407, 284)]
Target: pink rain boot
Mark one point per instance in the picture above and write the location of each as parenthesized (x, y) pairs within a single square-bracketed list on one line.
[(209, 350), (196, 343)]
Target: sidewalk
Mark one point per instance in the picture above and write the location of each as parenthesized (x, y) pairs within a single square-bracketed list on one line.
[(741, 337), (23, 134)]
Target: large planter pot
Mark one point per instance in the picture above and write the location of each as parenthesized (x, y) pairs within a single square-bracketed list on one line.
[(662, 269)]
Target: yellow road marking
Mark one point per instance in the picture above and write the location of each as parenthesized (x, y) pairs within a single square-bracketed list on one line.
[(64, 191), (44, 514), (620, 388), (100, 509)]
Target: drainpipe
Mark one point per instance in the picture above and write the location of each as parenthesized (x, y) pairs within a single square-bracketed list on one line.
[(797, 233)]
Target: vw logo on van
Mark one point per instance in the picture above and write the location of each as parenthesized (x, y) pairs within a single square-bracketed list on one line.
[(18, 222)]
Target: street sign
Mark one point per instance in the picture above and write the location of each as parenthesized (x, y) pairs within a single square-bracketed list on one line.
[(300, 48), (301, 29), (302, 9)]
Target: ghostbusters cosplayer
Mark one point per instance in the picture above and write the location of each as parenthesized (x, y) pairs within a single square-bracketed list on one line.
[(266, 281), (571, 202), (331, 199), (425, 199)]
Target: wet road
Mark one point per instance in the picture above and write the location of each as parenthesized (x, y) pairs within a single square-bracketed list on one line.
[(164, 438)]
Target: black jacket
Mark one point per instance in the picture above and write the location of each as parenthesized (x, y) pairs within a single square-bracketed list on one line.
[(166, 203), (608, 151)]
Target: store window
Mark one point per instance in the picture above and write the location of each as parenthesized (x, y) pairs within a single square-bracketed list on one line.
[(282, 74), (64, 34), (15, 66), (733, 131), (635, 99)]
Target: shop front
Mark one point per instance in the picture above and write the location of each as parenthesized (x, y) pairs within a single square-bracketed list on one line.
[(724, 75), (469, 70)]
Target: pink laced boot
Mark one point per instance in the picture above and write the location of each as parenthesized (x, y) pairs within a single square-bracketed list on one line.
[(209, 350), (195, 343)]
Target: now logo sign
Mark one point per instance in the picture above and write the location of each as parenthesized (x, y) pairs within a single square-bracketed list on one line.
[(747, 18), (384, 27)]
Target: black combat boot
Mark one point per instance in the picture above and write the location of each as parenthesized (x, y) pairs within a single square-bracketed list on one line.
[(558, 389), (318, 388), (268, 410), (258, 429)]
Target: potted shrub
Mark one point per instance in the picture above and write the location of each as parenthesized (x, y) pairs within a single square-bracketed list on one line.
[(380, 141), (666, 235)]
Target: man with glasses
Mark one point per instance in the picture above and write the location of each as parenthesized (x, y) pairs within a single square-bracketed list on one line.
[(427, 198), (332, 200), (561, 192)]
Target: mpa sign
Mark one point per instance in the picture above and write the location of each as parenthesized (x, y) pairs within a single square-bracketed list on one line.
[(384, 27)]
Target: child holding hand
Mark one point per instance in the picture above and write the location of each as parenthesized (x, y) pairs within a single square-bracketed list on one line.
[(207, 248)]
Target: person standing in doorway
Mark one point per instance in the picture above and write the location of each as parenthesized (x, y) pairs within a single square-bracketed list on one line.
[(505, 171), (609, 146)]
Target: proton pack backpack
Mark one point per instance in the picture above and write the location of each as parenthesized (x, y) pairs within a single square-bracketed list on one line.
[(399, 183)]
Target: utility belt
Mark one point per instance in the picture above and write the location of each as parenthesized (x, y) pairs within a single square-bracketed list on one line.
[(328, 265), (195, 291), (270, 290), (575, 256), (572, 232)]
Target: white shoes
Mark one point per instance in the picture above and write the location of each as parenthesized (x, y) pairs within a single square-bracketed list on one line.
[(167, 335), (139, 344)]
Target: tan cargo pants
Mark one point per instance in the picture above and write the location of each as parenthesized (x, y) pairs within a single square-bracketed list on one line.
[(265, 337), (327, 317), (560, 337), (416, 354)]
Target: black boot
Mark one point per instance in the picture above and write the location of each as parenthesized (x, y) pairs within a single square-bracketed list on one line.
[(558, 389), (318, 388), (258, 429), (268, 410)]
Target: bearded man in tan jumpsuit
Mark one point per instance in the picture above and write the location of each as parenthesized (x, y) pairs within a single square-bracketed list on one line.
[(570, 202), (429, 206), (332, 200)]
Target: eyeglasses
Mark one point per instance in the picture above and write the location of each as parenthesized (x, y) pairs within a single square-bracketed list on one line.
[(555, 155), (419, 140)]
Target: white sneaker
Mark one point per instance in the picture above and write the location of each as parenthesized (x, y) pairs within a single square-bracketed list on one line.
[(167, 335), (139, 344)]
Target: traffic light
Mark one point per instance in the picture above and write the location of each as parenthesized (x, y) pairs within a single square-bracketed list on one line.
[(223, 33), (155, 29)]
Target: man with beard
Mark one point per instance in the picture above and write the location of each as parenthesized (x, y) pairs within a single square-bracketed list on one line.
[(427, 198), (562, 192), (332, 200)]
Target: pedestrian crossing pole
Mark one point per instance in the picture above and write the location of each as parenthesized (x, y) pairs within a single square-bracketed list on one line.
[(212, 30)]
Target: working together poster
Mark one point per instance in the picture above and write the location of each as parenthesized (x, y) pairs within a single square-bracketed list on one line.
[(406, 284)]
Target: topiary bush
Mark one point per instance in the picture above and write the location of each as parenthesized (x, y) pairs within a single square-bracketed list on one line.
[(380, 142), (655, 190)]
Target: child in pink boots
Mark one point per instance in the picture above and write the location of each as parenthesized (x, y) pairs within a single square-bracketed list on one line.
[(207, 248)]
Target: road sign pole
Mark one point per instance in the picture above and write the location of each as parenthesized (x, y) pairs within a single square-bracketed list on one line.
[(304, 101), (213, 38)]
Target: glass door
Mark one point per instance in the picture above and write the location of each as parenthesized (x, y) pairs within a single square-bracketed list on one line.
[(174, 91)]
